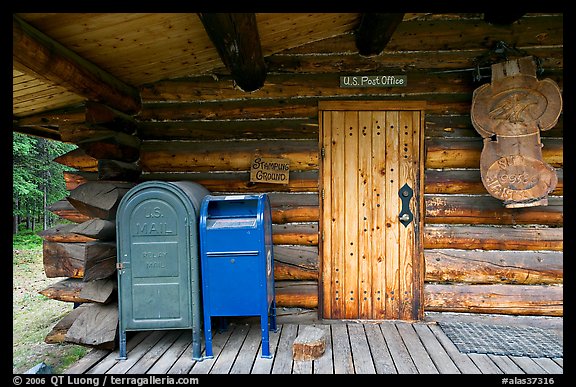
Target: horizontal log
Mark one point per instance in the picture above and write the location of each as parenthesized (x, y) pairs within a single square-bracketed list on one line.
[(465, 152), (64, 233), (538, 300), (78, 159), (296, 108), (542, 300), (430, 33), (286, 214), (298, 86), (468, 182), (280, 86), (295, 234), (66, 290), (300, 199), (295, 262), (35, 53), (97, 326), (286, 315), (493, 267), (64, 209), (96, 228), (110, 118), (75, 115), (201, 130), (437, 60), (37, 131), (199, 156), (485, 209), (99, 199), (437, 125), (112, 145), (460, 125), (118, 170), (102, 291), (302, 294), (280, 213), (58, 332), (75, 133), (239, 182), (294, 207), (73, 179), (76, 290), (89, 261), (492, 238)]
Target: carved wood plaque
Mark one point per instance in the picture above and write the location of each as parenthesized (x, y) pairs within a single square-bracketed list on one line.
[(509, 113)]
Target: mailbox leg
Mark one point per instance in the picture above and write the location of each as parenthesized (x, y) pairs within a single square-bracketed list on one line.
[(265, 336), (208, 336), (273, 326), (122, 339), (196, 348)]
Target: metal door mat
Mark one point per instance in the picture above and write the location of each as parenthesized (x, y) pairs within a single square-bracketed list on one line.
[(503, 340)]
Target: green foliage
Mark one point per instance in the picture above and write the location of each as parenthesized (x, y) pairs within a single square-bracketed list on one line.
[(70, 357), (26, 240), (37, 179)]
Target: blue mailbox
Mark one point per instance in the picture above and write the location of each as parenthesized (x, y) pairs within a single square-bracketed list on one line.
[(237, 262)]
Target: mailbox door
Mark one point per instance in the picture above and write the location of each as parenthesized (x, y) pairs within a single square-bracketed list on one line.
[(155, 258), (234, 285)]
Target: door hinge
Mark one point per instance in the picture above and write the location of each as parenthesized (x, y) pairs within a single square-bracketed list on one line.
[(120, 266), (322, 193), (322, 152)]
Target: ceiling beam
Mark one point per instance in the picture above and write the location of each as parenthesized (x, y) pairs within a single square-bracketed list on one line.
[(37, 54), (503, 17), (375, 31), (235, 36)]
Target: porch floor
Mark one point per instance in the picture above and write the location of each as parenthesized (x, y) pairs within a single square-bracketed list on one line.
[(352, 347)]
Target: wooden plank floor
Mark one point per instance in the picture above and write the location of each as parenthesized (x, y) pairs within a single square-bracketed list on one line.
[(388, 347)]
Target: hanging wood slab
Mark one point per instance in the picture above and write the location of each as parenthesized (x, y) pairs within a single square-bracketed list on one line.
[(509, 113)]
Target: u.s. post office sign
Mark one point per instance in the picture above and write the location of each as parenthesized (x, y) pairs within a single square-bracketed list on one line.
[(373, 81), (270, 170)]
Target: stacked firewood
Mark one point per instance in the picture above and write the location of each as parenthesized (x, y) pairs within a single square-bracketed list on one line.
[(84, 252)]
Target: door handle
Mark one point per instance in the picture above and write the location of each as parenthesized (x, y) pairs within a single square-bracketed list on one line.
[(405, 215)]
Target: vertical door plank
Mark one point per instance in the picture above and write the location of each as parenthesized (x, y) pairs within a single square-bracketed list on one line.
[(326, 227), (377, 259), (365, 215), (338, 208), (392, 210), (418, 268), (351, 214), (406, 234)]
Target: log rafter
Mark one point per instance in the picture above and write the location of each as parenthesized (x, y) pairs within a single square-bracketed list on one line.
[(375, 31), (34, 52), (236, 38)]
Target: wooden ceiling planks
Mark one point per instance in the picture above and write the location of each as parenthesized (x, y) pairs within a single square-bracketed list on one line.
[(138, 48), (279, 31)]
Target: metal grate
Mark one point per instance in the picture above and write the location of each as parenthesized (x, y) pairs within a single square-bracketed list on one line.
[(503, 340)]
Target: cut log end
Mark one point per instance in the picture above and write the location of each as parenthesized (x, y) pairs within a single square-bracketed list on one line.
[(310, 344)]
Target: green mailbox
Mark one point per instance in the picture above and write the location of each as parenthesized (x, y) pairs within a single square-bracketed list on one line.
[(158, 259)]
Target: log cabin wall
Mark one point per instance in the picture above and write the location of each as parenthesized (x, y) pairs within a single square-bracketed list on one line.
[(479, 256)]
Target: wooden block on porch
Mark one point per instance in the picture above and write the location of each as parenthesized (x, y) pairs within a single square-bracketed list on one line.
[(310, 344)]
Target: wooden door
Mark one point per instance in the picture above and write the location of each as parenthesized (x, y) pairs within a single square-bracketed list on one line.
[(371, 263)]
